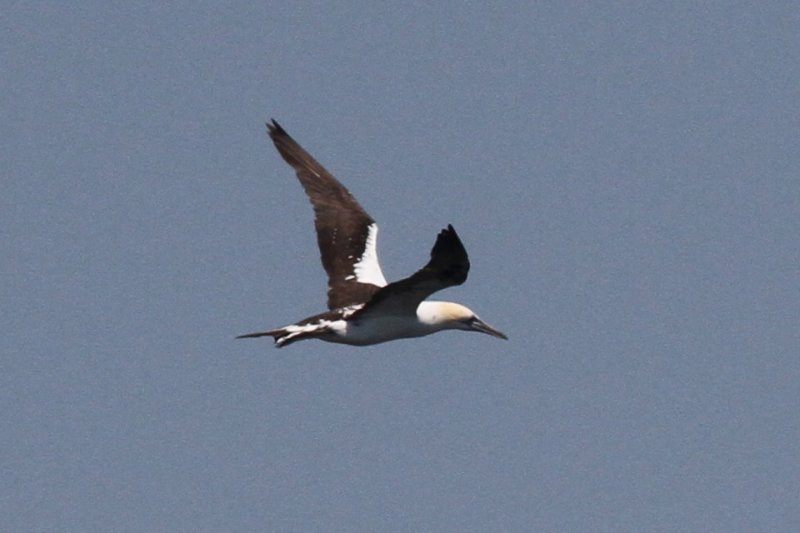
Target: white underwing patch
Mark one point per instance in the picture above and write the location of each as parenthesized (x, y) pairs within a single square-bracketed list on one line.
[(367, 269)]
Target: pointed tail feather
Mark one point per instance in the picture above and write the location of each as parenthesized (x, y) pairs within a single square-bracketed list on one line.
[(278, 335), (275, 333), (281, 336)]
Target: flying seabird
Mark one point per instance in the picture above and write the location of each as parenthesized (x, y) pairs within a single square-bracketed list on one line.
[(363, 308)]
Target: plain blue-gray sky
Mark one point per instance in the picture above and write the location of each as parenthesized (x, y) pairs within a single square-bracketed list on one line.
[(625, 176)]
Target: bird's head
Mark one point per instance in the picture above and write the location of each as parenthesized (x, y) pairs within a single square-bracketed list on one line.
[(449, 315)]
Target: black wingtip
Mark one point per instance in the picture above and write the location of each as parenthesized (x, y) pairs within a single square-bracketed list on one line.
[(449, 256), (449, 233), (274, 128)]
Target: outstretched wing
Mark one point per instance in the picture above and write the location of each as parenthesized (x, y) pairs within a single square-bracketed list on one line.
[(346, 234), (448, 266)]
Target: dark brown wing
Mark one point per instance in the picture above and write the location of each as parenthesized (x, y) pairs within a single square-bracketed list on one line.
[(346, 234), (448, 266)]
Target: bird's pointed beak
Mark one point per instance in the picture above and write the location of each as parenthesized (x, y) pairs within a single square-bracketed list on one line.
[(481, 326)]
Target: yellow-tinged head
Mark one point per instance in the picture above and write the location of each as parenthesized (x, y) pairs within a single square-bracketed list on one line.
[(450, 315)]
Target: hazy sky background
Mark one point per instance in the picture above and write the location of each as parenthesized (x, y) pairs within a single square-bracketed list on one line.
[(625, 176)]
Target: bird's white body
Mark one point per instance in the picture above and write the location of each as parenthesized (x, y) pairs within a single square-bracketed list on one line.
[(376, 328)]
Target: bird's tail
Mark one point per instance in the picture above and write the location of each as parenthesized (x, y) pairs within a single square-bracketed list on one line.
[(274, 333), (281, 336)]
